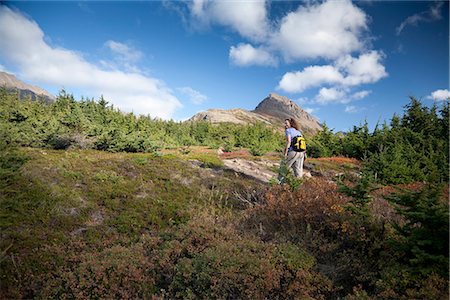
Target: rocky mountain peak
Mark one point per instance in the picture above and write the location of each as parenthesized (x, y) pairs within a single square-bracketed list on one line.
[(283, 108)]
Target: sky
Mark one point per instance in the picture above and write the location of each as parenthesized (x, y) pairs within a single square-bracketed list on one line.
[(344, 62)]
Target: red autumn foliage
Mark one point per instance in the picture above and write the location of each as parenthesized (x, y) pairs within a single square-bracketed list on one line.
[(340, 160)]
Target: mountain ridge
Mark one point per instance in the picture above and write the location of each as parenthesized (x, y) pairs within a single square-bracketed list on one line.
[(273, 110)]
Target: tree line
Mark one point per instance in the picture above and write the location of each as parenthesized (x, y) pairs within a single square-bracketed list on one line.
[(90, 124), (412, 147)]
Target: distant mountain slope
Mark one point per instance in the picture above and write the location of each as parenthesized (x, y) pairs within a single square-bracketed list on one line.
[(10, 82), (273, 110)]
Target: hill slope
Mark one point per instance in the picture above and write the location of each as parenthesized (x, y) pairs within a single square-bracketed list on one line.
[(10, 82), (92, 224)]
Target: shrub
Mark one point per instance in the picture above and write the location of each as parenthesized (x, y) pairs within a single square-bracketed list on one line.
[(348, 248), (286, 176), (10, 158), (116, 272), (209, 260)]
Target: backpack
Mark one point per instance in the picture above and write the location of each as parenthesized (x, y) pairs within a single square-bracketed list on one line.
[(298, 143)]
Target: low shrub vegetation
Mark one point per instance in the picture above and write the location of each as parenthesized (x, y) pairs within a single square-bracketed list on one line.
[(95, 204)]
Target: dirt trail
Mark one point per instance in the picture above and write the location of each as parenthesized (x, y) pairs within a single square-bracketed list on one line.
[(261, 170)]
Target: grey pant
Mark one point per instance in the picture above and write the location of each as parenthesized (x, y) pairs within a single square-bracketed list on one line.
[(294, 160)]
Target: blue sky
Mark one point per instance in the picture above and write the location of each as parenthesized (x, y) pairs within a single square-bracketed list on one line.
[(342, 61)]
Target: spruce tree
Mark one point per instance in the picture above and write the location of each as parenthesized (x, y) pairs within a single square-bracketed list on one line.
[(424, 236)]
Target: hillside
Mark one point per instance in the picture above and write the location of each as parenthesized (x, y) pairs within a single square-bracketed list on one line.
[(10, 82), (95, 204), (181, 225), (272, 110), (95, 224)]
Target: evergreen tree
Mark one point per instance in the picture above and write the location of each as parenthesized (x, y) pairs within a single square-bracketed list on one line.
[(425, 233)]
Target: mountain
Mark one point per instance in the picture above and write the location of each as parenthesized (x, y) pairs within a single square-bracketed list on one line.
[(274, 109), (10, 82)]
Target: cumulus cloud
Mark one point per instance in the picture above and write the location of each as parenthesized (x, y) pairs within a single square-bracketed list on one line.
[(246, 55), (439, 95), (433, 14), (248, 18), (23, 46), (338, 95), (319, 30), (367, 68), (194, 96), (312, 76), (329, 95), (327, 30), (347, 71), (330, 30)]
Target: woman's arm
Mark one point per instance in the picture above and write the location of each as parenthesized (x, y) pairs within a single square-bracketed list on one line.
[(288, 144)]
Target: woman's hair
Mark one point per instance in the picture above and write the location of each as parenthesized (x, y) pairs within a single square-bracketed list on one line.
[(293, 123)]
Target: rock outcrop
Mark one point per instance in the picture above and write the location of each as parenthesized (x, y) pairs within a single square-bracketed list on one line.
[(10, 82)]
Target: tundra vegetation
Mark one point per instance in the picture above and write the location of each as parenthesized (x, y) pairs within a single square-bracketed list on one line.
[(96, 203)]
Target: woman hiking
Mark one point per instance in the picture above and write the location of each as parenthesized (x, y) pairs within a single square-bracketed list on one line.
[(293, 159)]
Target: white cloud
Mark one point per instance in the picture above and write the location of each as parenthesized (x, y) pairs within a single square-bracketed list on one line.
[(319, 30), (364, 69), (194, 96), (360, 95), (338, 95), (248, 18), (23, 46), (246, 55), (328, 30), (433, 14), (346, 72), (440, 95), (312, 76), (331, 30), (330, 95)]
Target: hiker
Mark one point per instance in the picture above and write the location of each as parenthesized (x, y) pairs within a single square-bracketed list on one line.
[(293, 159)]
